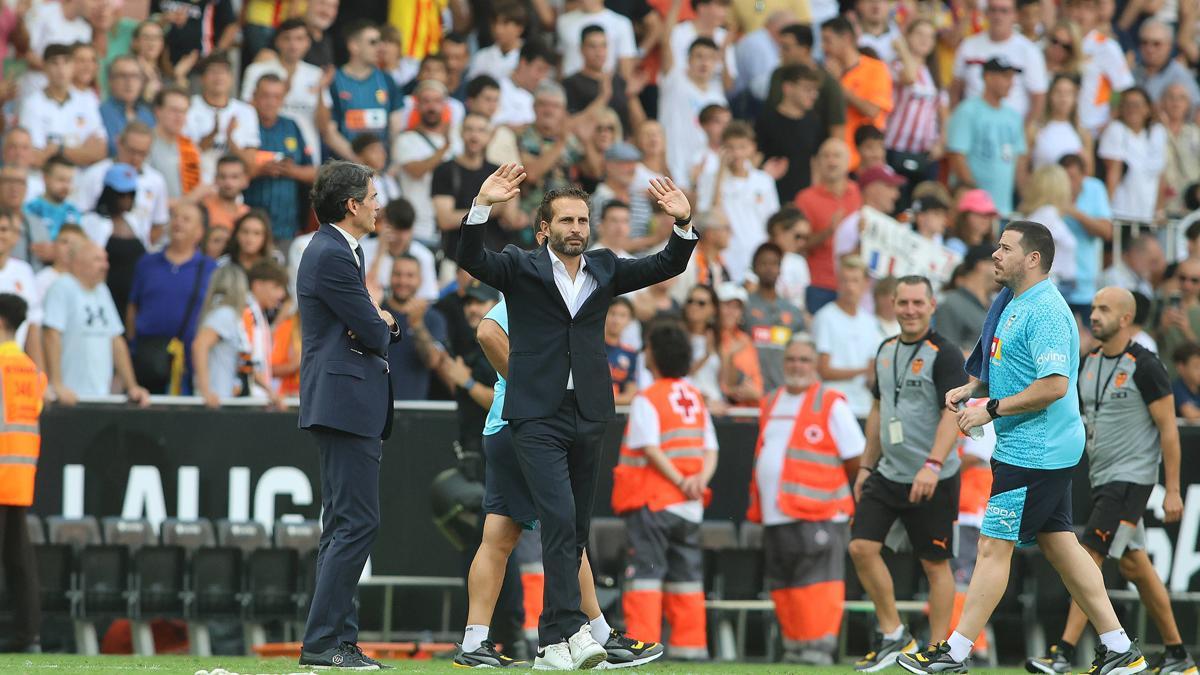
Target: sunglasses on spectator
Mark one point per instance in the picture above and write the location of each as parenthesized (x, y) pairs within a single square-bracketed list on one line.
[(1065, 45)]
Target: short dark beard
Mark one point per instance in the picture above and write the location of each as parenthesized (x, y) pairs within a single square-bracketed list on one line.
[(559, 244)]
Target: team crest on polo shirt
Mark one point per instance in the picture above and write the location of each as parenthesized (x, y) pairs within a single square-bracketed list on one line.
[(814, 434), (290, 144), (1122, 377), (996, 348), (917, 365), (381, 96)]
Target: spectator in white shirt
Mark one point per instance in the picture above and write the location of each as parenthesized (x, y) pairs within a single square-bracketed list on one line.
[(1133, 148), (683, 93), (847, 338), (1046, 199), (483, 99), (418, 152), (622, 45), (16, 276), (62, 22), (1001, 39), (741, 189), (757, 56), (707, 266), (500, 58), (85, 337), (1105, 69), (217, 122), (877, 31), (305, 81), (46, 276), (60, 119), (711, 16), (150, 213), (395, 240), (32, 245), (789, 230), (516, 91)]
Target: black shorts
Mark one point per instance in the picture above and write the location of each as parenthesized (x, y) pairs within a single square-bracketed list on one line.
[(505, 492), (1026, 502), (1115, 525), (930, 524)]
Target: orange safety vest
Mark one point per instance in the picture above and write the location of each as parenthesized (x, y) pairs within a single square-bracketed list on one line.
[(681, 423), (813, 485), (285, 336), (21, 389)]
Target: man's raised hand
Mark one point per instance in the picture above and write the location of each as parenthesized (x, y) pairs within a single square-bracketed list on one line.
[(501, 186), (670, 198)]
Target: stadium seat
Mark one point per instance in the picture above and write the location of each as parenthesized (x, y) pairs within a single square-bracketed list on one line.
[(104, 580), (248, 536), (159, 581), (606, 550), (56, 572), (78, 532), (37, 532), (216, 582), (131, 533), (190, 534), (302, 536)]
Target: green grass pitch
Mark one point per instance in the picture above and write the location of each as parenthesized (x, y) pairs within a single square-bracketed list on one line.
[(14, 664)]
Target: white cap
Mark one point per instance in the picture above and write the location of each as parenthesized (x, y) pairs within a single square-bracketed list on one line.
[(731, 291)]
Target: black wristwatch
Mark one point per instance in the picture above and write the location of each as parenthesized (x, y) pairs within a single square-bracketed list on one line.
[(993, 407)]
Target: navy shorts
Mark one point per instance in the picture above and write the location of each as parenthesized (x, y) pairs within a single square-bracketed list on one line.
[(1026, 502), (505, 491)]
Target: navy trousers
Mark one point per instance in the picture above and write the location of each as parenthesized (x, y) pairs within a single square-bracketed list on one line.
[(350, 523), (559, 457)]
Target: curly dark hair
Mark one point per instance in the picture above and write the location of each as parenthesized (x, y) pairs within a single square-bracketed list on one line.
[(337, 182), (670, 348)]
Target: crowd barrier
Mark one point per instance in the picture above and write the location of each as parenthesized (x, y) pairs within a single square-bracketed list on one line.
[(177, 459)]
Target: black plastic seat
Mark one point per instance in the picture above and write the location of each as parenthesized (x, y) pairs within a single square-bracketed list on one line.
[(606, 550), (216, 582), (159, 581), (56, 571), (131, 533), (190, 534), (272, 583), (104, 580), (37, 531)]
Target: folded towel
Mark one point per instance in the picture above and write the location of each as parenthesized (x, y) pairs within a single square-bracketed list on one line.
[(977, 364)]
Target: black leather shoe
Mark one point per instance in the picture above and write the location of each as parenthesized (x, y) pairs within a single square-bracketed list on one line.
[(339, 658)]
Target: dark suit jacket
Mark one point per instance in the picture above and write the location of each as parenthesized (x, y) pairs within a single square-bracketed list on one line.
[(545, 342), (344, 382)]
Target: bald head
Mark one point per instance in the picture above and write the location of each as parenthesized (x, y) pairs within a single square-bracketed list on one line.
[(1113, 310), (833, 161)]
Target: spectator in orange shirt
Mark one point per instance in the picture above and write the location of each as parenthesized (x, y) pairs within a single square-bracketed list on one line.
[(866, 82), (226, 205), (741, 373), (825, 203)]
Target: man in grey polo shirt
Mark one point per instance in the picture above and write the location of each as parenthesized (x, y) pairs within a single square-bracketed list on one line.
[(770, 320), (909, 470), (1129, 413)]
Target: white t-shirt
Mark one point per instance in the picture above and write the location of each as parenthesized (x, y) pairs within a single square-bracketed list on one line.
[(794, 279), (618, 29), (749, 201), (1053, 141), (414, 146), (1105, 71), (768, 467), (516, 105), (882, 44), (679, 106), (850, 342), (69, 123), (200, 119), (47, 25), (88, 321), (300, 103), (149, 203), (1063, 269), (429, 284), (223, 356), (1145, 158), (977, 49), (682, 37), (644, 430), (491, 60)]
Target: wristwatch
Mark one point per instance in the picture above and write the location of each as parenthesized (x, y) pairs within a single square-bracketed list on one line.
[(993, 407)]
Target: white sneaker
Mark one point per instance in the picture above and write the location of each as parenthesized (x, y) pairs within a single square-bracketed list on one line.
[(555, 657), (586, 653)]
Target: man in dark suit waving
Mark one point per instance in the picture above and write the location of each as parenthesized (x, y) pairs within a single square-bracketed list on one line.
[(346, 402), (559, 395)]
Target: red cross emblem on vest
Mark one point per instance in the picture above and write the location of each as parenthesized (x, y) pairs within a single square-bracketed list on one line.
[(684, 403)]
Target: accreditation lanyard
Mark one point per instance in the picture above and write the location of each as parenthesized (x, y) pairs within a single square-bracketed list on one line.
[(1100, 393), (897, 383)]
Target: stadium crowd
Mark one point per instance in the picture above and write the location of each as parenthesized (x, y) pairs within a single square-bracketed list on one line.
[(156, 157)]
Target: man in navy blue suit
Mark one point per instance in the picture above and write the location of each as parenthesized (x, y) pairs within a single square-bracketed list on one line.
[(346, 402)]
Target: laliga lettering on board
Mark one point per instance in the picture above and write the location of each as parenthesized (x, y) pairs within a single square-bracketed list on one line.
[(1176, 563), (893, 249)]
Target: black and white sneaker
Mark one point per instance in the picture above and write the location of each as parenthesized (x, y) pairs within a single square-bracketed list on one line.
[(340, 658), (1055, 661), (1176, 666), (358, 650), (487, 656), (884, 652), (935, 659), (625, 652), (1118, 663)]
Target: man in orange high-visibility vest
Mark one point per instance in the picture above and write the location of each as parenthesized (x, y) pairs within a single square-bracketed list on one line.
[(809, 443), (660, 487), (21, 389)]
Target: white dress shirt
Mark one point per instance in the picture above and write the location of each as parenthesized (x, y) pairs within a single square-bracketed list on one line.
[(350, 239), (575, 291)]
